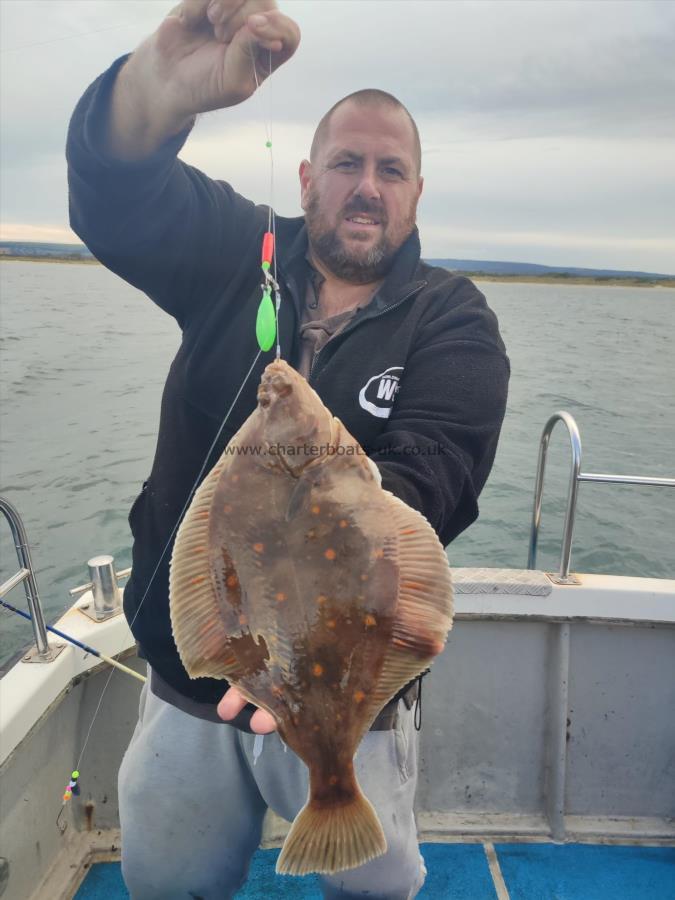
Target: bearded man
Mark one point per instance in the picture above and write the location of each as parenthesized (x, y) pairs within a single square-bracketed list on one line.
[(408, 356)]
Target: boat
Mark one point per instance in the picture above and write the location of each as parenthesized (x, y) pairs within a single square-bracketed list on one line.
[(546, 765)]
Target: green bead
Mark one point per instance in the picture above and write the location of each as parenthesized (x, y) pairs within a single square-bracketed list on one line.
[(266, 325), (265, 266), (268, 143), (75, 774)]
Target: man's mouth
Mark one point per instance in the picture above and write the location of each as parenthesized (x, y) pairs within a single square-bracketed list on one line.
[(365, 221)]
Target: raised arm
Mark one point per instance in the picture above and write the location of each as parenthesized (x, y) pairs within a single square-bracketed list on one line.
[(160, 224), (201, 58)]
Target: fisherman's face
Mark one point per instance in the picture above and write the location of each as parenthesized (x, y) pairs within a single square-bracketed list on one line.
[(365, 169)]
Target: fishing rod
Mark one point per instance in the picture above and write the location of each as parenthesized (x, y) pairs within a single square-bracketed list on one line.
[(71, 640)]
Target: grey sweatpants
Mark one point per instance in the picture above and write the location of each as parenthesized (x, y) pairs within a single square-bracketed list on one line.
[(193, 795)]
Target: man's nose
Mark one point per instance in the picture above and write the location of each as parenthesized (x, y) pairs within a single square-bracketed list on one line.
[(368, 186)]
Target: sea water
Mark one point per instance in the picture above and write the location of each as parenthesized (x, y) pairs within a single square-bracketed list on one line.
[(83, 358)]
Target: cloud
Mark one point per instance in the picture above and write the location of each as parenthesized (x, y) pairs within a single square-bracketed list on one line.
[(547, 120), (49, 234)]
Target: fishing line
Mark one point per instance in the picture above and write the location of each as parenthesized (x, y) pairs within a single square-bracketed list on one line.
[(66, 37), (271, 283)]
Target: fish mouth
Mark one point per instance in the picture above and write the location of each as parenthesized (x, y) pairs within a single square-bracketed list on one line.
[(274, 385)]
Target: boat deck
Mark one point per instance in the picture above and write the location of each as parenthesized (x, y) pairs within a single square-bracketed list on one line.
[(523, 871)]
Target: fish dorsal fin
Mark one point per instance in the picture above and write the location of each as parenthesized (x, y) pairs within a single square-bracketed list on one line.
[(196, 617), (424, 610)]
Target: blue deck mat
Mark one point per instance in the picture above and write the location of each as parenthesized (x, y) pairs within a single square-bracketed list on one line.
[(587, 872), (459, 871)]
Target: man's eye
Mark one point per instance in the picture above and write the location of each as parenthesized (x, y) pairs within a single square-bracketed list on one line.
[(391, 171), (346, 162)]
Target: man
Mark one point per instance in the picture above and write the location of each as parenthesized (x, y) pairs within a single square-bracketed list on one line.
[(408, 356)]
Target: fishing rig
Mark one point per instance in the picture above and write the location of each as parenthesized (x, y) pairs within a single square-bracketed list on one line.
[(267, 331)]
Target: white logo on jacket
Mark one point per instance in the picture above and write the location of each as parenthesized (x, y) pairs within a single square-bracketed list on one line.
[(379, 392)]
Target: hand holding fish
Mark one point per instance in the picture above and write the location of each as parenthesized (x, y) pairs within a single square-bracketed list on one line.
[(233, 703), (201, 58)]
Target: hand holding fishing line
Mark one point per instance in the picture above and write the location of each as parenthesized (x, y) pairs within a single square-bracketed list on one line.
[(198, 60), (214, 40)]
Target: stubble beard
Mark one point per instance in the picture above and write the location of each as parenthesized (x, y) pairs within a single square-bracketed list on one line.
[(352, 265)]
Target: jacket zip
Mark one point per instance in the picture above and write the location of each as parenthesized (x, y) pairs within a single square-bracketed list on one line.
[(376, 315)]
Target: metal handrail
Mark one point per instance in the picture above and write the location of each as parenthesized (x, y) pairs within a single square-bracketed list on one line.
[(26, 574), (576, 476)]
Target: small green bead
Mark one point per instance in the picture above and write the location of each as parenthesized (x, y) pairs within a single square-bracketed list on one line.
[(75, 774), (268, 143), (265, 265)]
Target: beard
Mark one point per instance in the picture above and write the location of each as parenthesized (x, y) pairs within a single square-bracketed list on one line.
[(352, 264)]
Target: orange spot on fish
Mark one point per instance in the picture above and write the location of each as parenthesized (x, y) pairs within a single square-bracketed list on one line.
[(364, 578), (243, 620), (280, 597), (232, 581), (317, 670), (197, 549), (198, 579), (397, 642), (330, 553), (331, 623), (203, 514), (409, 531), (316, 509), (369, 621), (359, 696), (321, 599), (258, 548), (343, 523), (379, 553), (411, 585)]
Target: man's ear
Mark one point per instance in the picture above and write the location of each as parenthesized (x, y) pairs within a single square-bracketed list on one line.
[(305, 173)]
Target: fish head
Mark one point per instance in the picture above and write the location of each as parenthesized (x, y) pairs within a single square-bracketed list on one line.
[(294, 423)]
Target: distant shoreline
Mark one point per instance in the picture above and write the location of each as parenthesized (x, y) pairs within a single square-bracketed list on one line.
[(573, 279), (50, 259), (474, 276)]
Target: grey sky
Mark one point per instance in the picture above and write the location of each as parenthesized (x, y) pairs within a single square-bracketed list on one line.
[(548, 128)]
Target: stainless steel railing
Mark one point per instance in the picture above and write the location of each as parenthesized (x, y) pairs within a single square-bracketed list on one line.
[(576, 476), (103, 585), (26, 575)]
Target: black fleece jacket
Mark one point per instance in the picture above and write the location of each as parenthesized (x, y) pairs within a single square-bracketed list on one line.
[(419, 376)]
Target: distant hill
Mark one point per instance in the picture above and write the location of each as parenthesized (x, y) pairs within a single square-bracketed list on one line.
[(489, 267), (473, 266), (31, 248)]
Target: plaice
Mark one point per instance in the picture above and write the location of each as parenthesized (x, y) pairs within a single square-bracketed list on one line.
[(297, 578)]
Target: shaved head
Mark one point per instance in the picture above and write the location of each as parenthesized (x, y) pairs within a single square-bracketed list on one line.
[(367, 97)]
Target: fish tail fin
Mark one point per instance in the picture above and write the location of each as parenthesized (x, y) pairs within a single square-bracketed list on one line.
[(328, 839)]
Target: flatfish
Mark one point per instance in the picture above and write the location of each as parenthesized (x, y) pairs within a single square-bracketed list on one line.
[(297, 578)]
